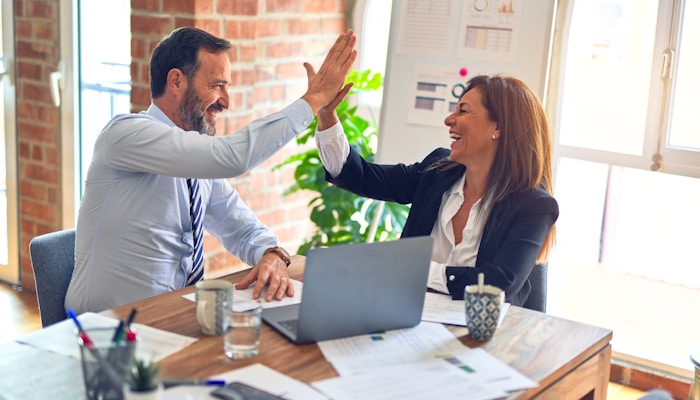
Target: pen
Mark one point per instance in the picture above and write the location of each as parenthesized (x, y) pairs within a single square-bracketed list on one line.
[(129, 320), (118, 332), (81, 332), (206, 382)]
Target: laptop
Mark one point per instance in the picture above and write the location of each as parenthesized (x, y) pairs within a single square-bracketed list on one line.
[(357, 289)]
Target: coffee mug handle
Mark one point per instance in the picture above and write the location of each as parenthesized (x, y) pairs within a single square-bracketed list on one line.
[(201, 314)]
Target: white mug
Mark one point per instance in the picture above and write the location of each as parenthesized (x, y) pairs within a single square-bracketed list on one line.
[(211, 300)]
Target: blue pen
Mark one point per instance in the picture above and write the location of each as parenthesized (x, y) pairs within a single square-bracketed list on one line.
[(74, 317), (206, 382)]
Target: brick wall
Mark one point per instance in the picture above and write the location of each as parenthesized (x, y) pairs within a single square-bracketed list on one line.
[(271, 40), (38, 128)]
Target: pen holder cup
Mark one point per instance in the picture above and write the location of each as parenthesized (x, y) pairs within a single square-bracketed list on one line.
[(105, 364), (483, 309)]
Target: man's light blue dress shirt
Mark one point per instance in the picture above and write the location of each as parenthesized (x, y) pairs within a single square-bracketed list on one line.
[(134, 233)]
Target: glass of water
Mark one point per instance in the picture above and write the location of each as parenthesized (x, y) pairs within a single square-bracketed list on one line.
[(242, 337)]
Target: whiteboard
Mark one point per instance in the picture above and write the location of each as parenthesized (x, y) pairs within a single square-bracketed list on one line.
[(435, 46)]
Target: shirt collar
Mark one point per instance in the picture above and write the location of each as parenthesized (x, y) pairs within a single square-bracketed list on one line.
[(157, 113)]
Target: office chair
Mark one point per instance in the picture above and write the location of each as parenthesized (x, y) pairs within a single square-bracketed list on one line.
[(656, 394), (538, 295), (53, 260)]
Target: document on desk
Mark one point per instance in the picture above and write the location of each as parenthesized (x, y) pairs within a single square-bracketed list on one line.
[(441, 308), (409, 382), (154, 344), (256, 375), (246, 295), (427, 348)]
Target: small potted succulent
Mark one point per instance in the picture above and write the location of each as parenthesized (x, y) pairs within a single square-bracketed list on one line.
[(143, 382)]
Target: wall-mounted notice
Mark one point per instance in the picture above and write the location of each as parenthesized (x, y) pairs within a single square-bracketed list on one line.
[(488, 30), (436, 92), (436, 46)]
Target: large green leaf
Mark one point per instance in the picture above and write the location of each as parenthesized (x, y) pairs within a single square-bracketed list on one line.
[(340, 216)]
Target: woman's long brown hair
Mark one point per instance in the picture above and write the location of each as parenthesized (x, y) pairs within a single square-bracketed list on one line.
[(523, 160)]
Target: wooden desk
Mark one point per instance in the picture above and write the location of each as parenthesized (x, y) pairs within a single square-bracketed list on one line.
[(570, 360)]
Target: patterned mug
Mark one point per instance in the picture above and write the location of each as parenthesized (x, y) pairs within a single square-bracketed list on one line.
[(483, 308), (211, 299)]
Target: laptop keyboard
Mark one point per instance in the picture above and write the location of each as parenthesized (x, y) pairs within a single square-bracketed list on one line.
[(290, 325)]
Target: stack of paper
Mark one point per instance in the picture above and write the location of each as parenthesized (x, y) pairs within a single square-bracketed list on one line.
[(154, 344), (426, 361)]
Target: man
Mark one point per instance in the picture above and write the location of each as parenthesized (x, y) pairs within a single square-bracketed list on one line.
[(137, 235)]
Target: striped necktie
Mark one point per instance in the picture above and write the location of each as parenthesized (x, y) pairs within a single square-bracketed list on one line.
[(196, 214)]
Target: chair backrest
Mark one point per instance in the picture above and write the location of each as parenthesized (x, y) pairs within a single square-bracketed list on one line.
[(53, 260), (538, 293)]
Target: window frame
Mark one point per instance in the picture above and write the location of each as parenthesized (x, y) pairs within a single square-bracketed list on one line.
[(673, 161)]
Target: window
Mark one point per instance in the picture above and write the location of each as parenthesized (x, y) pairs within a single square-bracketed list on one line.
[(627, 163), (371, 19), (105, 71), (9, 233), (96, 84)]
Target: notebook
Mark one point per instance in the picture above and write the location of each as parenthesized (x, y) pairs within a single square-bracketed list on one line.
[(357, 289)]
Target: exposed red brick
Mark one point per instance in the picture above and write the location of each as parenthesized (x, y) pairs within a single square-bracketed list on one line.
[(333, 25), (284, 49), (41, 173), (290, 71), (39, 211), (269, 27), (138, 49), (273, 217), (37, 153), (140, 98), (23, 29), (34, 191), (303, 26), (145, 5), (40, 93), (37, 9), (211, 25), (37, 133), (237, 29), (151, 25), (44, 30), (238, 7), (317, 6), (181, 6), (282, 6), (36, 51), (278, 93), (184, 21)]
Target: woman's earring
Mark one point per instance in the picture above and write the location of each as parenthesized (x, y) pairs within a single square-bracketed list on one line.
[(493, 136)]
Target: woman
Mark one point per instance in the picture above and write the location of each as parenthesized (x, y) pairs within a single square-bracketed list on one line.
[(487, 200)]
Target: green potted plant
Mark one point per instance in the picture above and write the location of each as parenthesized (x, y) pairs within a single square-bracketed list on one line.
[(143, 382), (340, 216)]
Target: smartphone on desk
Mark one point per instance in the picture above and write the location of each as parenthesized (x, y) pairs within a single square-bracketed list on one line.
[(242, 391)]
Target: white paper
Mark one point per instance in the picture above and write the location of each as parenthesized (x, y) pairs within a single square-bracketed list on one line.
[(357, 354), (409, 382), (426, 347), (243, 296), (441, 308), (256, 375), (154, 344), (424, 28), (489, 30)]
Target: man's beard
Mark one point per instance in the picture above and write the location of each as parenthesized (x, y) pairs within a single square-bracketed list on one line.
[(193, 114)]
